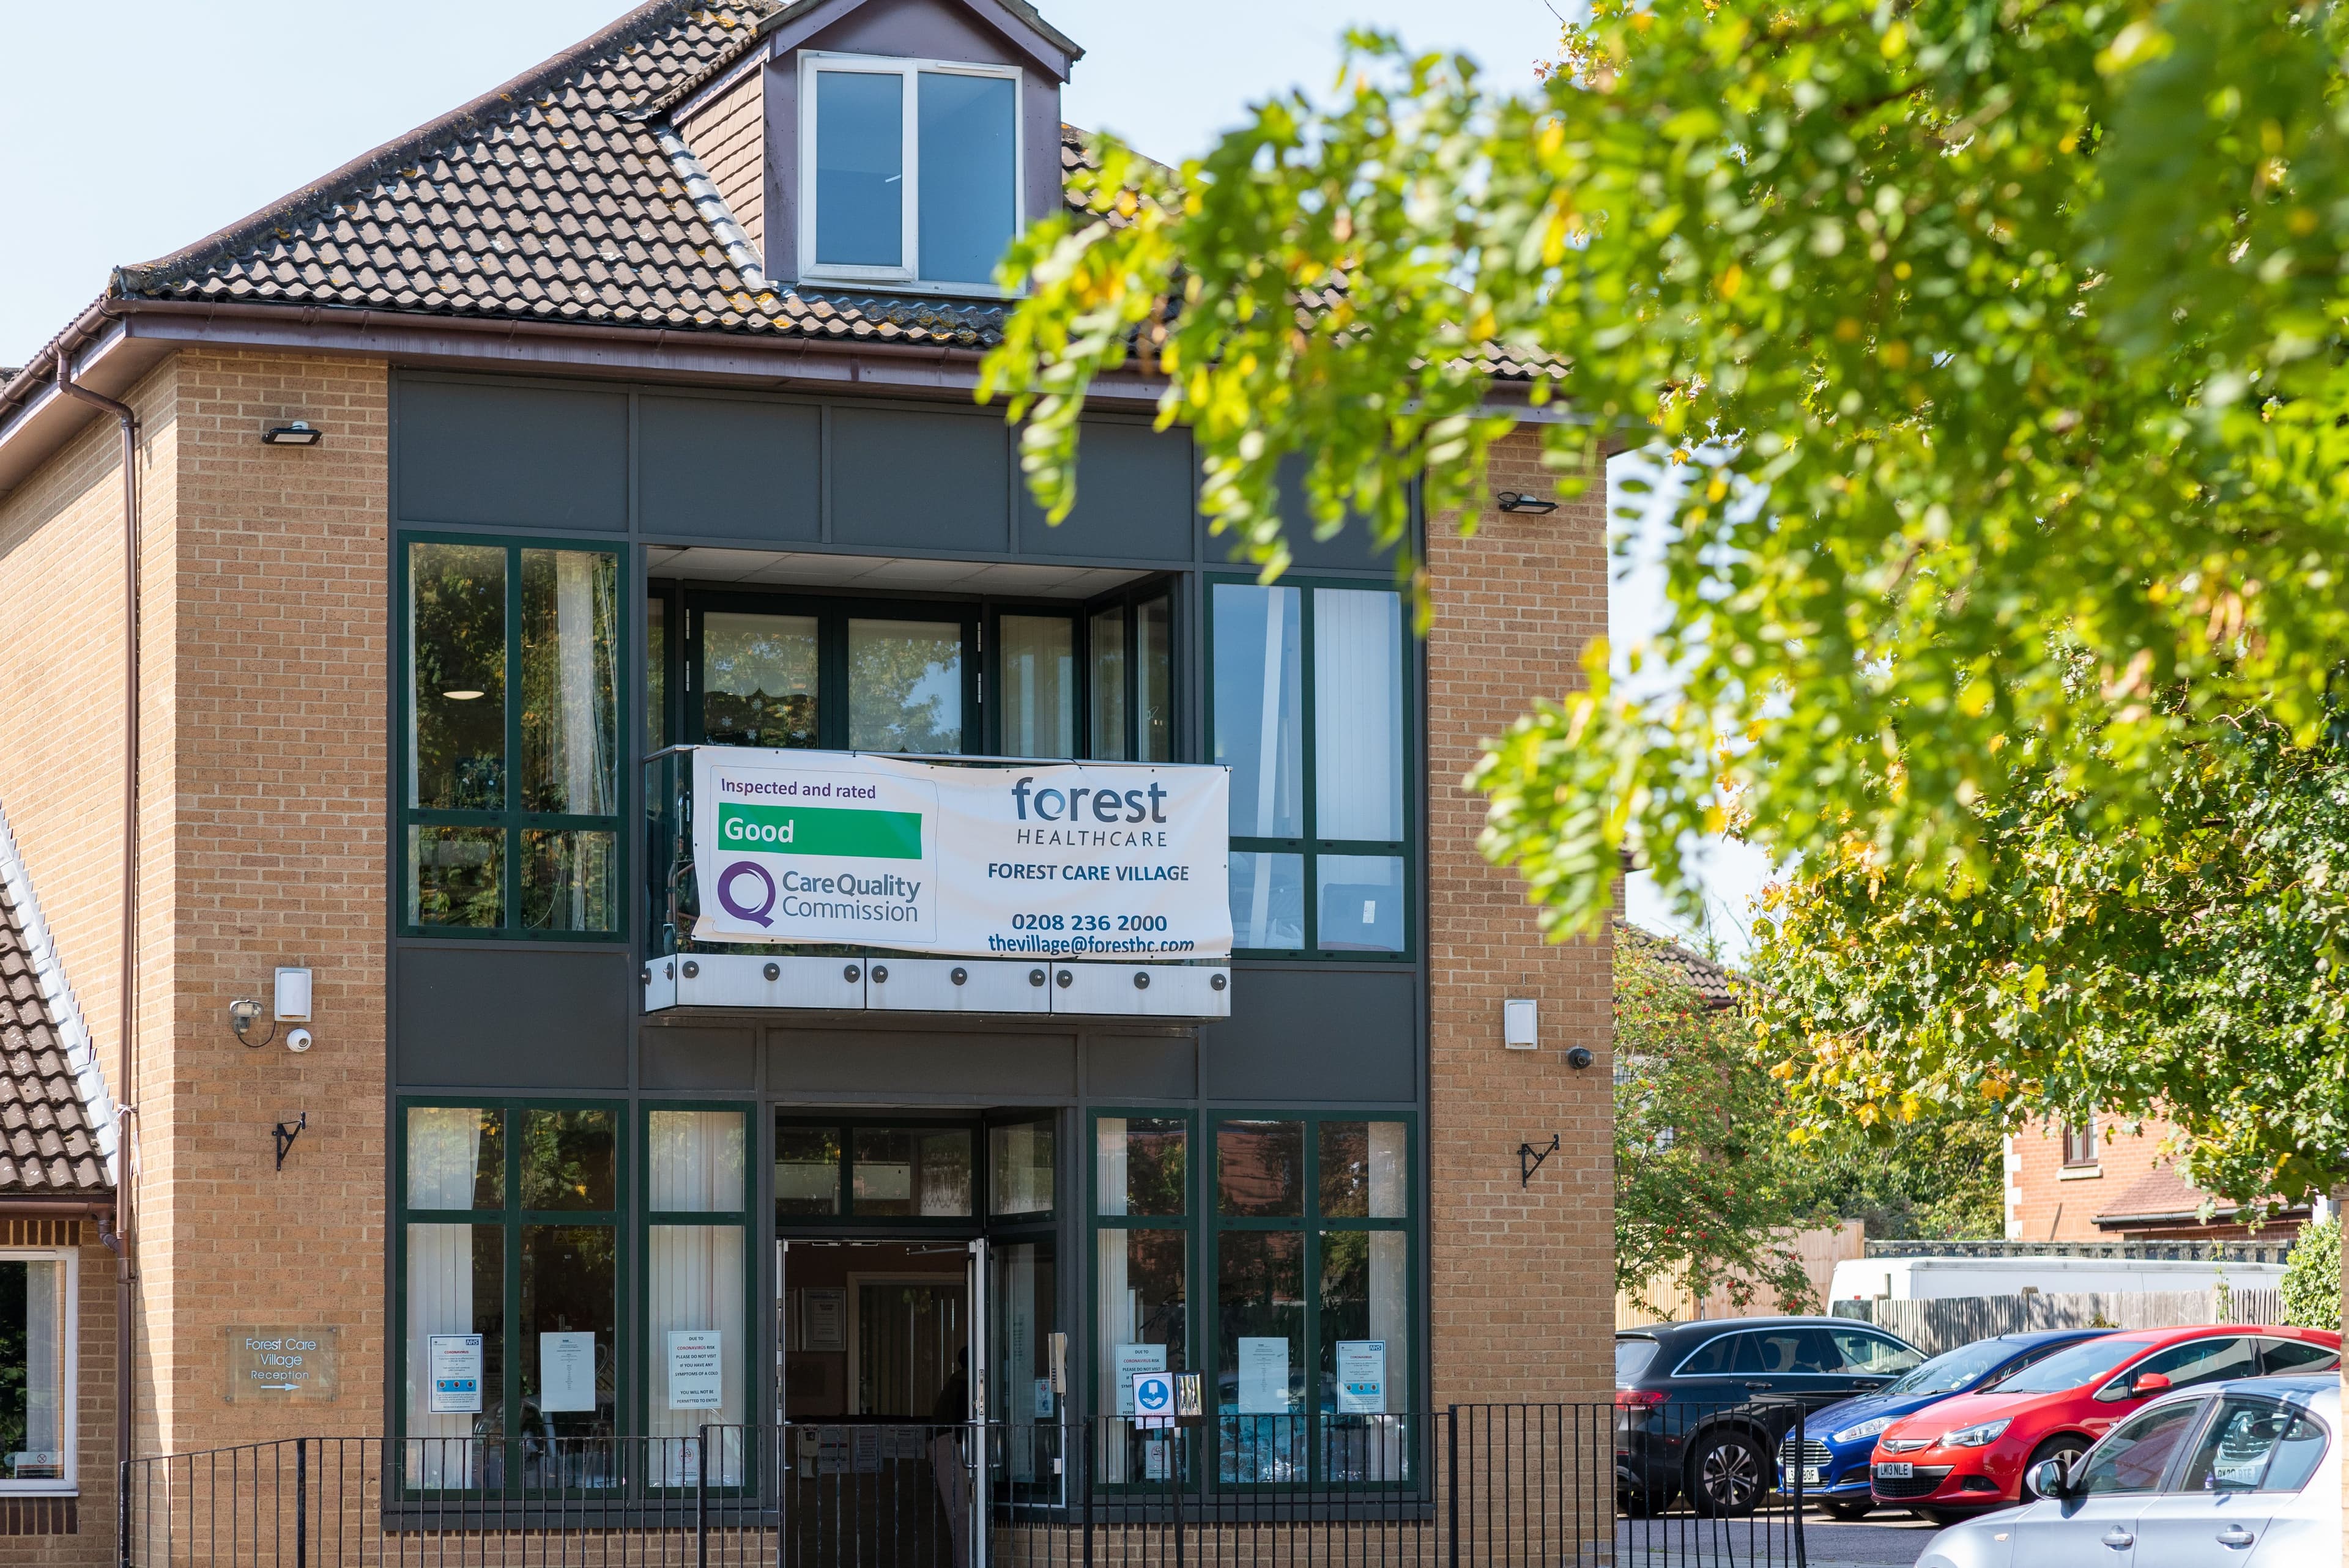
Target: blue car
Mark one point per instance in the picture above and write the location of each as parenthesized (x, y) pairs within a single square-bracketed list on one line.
[(1839, 1439)]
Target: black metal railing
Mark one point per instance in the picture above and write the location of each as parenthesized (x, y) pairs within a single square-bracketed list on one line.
[(1549, 1484)]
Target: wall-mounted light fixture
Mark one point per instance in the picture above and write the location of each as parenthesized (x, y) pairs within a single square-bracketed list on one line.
[(290, 1003), (1521, 1025), (1517, 501), (300, 433)]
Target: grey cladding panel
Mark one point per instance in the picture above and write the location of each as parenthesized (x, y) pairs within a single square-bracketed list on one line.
[(683, 1057), (718, 468), (908, 479), (516, 457), (1348, 550), (878, 1066), (1140, 1066), (1134, 499), (1310, 1035), (532, 1015)]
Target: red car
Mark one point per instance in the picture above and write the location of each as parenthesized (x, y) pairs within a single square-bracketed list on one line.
[(1969, 1455)]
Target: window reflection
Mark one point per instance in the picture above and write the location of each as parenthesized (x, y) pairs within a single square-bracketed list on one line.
[(1141, 1165), (1106, 635), (1260, 1168), (911, 1172), (759, 679), (457, 677), (905, 685), (570, 682), (860, 166), (567, 1159), (1259, 707), (807, 1171)]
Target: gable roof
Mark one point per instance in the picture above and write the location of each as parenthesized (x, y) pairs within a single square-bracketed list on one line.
[(51, 1143), (550, 199), (1716, 988)]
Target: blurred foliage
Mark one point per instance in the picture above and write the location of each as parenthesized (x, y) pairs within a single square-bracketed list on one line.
[(1701, 1194), (2311, 1281), (2010, 332)]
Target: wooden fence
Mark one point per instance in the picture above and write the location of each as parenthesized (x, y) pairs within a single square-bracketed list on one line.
[(1935, 1325)]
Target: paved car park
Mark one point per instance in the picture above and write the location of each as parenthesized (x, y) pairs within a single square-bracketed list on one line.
[(1887, 1539)]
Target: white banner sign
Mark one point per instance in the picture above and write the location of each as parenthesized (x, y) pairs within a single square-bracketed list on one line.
[(1059, 860)]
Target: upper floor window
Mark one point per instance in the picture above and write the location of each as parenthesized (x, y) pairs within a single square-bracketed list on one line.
[(2079, 1143), (511, 788), (1309, 715), (909, 170)]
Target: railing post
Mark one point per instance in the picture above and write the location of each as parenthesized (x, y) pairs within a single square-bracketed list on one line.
[(1452, 1485), (122, 1512), (301, 1503), (1174, 1485), (1802, 1554), (1087, 1437), (701, 1500)]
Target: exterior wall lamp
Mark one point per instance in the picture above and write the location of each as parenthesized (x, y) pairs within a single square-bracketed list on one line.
[(290, 1003), (300, 433), (1518, 502)]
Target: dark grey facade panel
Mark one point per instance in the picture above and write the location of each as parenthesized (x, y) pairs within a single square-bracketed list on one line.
[(1314, 1035), (718, 468), (1349, 550), (1134, 499), (684, 1057), (508, 1015), (909, 1069), (905, 479), (1140, 1066), (515, 457)]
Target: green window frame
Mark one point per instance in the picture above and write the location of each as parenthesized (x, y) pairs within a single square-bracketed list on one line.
[(1340, 1450), (524, 1231), (1125, 1460), (684, 1275), (1309, 885), (492, 843)]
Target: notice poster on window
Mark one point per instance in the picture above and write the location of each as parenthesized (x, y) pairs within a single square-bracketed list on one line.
[(453, 1363), (566, 1372), (1264, 1377), (696, 1379), (1361, 1376), (1130, 1359), (823, 1319), (1075, 861)]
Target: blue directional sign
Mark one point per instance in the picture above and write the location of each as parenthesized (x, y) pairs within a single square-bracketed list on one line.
[(1153, 1400)]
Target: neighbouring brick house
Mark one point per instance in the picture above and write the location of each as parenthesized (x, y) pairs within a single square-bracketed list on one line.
[(628, 408), (2111, 1181)]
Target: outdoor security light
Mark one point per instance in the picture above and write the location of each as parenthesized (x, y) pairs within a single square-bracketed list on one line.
[(300, 433), (1520, 1024), (1514, 501)]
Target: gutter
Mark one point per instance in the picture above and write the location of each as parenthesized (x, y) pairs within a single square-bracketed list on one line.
[(125, 1273)]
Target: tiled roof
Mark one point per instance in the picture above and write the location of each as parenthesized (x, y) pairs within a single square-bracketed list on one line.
[(45, 1141), (1716, 988), (548, 200), (2162, 1195)]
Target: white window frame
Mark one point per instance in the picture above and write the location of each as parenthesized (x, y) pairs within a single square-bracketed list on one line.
[(909, 209), (69, 1483)]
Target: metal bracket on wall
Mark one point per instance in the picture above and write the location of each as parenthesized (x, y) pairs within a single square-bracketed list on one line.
[(1529, 1160), (286, 1135)]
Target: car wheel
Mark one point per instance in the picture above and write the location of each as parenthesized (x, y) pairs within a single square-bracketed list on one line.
[(1847, 1511), (2063, 1445), (1727, 1476)]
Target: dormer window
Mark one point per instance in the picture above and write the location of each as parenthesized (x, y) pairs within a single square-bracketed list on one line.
[(909, 170)]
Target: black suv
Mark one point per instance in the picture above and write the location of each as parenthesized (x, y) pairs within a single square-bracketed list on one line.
[(1700, 1407)]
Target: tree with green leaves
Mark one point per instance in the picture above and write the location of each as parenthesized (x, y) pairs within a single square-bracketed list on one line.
[(1701, 1199), (2311, 1281), (2012, 333)]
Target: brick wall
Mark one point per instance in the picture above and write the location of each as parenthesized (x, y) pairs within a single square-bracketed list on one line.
[(2046, 1203), (1522, 1277)]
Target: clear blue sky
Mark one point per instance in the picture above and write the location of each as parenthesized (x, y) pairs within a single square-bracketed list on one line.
[(128, 140)]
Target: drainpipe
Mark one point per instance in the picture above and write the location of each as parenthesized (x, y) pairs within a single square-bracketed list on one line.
[(125, 1271)]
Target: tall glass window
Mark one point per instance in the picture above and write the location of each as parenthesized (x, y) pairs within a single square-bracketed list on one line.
[(969, 194), (859, 169), (759, 679), (1106, 688), (697, 1179), (1308, 714), (1141, 1280), (905, 685), (1037, 686), (1312, 1365), (510, 1239), (512, 738), (36, 1393)]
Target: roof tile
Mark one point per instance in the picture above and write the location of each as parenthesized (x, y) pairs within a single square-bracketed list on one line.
[(44, 1142)]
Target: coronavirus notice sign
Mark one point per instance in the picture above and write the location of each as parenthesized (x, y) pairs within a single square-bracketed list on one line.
[(1068, 860)]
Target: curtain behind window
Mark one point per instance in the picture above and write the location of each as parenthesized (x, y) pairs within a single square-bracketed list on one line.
[(698, 1166), (443, 1156)]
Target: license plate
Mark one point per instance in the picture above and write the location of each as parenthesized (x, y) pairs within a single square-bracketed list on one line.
[(1811, 1475), (1895, 1469)]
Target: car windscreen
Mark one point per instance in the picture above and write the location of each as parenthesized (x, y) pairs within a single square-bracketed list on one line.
[(1632, 1359), (1954, 1371), (2071, 1368)]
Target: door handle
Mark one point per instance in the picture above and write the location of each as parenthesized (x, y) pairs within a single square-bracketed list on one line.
[(2235, 1535), (2119, 1540), (1761, 1387)]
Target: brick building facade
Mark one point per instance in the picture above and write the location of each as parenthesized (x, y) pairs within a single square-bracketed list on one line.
[(2112, 1180), (555, 365)]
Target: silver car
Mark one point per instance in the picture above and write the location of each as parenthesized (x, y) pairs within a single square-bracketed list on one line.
[(2239, 1473)]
